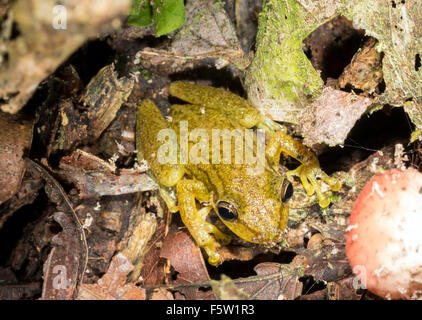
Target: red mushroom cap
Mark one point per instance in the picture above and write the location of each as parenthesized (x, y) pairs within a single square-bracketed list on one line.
[(384, 239)]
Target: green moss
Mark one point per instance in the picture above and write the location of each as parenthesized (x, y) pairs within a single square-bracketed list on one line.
[(281, 81), (60, 139), (146, 75), (280, 69)]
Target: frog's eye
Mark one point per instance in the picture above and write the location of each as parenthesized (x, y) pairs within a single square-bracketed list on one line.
[(286, 190), (226, 210)]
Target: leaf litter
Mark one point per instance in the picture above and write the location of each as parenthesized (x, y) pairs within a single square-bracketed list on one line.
[(105, 225)]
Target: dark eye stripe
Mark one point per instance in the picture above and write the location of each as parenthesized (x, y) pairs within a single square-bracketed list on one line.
[(226, 210)]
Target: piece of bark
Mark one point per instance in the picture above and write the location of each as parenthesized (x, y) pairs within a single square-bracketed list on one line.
[(365, 70), (134, 243), (40, 48), (95, 177), (103, 97)]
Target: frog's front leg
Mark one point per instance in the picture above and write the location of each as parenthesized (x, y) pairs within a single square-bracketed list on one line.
[(309, 170), (194, 220)]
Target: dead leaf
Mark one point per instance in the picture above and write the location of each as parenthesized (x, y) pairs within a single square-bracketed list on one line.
[(186, 259), (207, 33), (331, 116), (112, 286), (15, 139), (26, 194), (274, 281), (62, 269), (67, 261), (154, 268)]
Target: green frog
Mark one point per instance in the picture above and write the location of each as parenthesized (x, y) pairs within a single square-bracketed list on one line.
[(250, 198)]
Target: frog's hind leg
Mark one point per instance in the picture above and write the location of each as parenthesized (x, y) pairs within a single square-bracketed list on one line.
[(150, 122), (194, 220), (151, 128), (230, 104)]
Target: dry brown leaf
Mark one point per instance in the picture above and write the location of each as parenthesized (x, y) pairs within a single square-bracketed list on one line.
[(207, 33), (186, 258), (67, 260), (331, 116), (112, 286), (274, 281), (62, 270), (15, 138), (26, 194)]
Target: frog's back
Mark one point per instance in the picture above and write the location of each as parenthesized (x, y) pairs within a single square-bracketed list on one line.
[(207, 118), (216, 175)]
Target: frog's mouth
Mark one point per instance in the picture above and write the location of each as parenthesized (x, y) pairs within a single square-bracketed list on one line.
[(243, 232), (248, 234), (265, 237)]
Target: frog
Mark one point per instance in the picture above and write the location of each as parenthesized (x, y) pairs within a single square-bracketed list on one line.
[(252, 204)]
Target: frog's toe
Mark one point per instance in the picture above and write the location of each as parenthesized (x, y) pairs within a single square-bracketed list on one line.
[(334, 183), (302, 173), (214, 259), (309, 187), (311, 184), (324, 201), (213, 256)]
